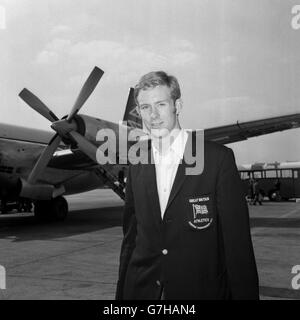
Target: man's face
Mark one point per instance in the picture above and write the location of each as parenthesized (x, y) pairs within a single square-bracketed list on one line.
[(158, 110)]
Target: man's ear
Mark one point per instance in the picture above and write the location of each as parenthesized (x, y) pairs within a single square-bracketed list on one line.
[(178, 106)]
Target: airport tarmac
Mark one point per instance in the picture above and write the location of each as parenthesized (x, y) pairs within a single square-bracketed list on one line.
[(78, 259)]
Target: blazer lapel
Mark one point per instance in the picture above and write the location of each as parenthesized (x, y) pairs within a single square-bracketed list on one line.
[(149, 176), (178, 182)]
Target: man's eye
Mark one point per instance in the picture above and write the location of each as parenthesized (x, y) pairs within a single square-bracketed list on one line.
[(162, 104), (144, 107)]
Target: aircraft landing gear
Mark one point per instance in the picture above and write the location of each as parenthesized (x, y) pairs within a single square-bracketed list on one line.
[(55, 209)]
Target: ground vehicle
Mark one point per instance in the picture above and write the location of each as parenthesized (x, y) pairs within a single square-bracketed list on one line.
[(287, 174)]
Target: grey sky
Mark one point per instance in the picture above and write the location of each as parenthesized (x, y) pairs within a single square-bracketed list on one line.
[(235, 60)]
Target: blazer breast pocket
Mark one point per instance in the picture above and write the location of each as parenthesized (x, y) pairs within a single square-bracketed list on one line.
[(199, 213)]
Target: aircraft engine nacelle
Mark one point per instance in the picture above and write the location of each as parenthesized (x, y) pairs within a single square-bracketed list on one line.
[(39, 191), (119, 136), (91, 127), (13, 188), (101, 132)]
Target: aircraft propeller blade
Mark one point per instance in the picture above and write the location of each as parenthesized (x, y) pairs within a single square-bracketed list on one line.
[(44, 159), (35, 103), (62, 129), (85, 145), (86, 91)]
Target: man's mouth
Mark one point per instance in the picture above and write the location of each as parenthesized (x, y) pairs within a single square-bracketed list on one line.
[(156, 125)]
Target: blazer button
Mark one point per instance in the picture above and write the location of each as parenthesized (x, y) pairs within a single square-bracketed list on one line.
[(165, 252), (158, 283)]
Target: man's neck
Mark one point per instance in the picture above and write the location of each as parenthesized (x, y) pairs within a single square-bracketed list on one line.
[(163, 144)]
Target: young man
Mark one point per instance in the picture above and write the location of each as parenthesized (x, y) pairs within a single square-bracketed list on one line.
[(185, 236)]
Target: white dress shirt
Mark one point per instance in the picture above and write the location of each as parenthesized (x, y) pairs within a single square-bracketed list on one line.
[(166, 165)]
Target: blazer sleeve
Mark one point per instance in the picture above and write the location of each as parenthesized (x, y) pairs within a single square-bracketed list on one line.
[(129, 231), (235, 226)]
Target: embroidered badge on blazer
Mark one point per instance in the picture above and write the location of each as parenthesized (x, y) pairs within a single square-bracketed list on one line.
[(200, 215)]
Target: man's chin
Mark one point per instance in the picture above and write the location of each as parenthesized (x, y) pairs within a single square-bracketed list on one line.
[(159, 133)]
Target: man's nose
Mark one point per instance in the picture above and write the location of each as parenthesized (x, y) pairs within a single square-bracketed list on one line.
[(154, 112)]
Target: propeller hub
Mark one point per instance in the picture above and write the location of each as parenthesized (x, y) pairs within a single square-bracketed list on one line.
[(63, 127)]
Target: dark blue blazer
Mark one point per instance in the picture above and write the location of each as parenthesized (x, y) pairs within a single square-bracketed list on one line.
[(202, 247)]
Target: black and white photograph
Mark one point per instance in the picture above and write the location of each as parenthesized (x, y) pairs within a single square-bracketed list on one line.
[(149, 150)]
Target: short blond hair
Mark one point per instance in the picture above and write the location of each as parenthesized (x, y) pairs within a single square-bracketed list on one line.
[(158, 78)]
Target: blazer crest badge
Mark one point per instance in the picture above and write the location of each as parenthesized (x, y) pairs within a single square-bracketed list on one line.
[(200, 215)]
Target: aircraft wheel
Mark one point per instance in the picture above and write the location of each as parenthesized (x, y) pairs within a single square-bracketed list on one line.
[(59, 208), (55, 209), (42, 210)]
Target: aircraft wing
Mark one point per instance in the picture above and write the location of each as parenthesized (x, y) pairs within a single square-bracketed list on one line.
[(244, 130), (76, 161), (70, 160)]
